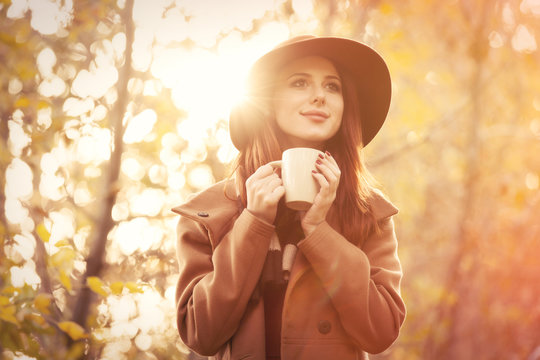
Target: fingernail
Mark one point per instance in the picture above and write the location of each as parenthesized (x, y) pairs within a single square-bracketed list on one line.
[(321, 156), (314, 171), (318, 162), (328, 153)]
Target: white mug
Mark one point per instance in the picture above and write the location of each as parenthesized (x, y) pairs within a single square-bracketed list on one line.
[(300, 186)]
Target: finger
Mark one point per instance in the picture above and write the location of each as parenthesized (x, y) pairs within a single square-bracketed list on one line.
[(321, 179), (327, 172), (327, 189), (260, 177), (263, 171), (272, 182), (277, 193), (329, 160)]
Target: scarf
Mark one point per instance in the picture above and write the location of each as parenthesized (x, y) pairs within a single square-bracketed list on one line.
[(282, 249)]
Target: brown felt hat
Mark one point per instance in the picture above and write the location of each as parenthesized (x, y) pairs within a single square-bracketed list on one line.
[(365, 66)]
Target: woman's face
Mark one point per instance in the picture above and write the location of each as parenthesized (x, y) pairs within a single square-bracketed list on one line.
[(308, 102)]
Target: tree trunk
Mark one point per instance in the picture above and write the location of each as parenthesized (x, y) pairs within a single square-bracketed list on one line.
[(458, 342), (4, 132), (95, 261)]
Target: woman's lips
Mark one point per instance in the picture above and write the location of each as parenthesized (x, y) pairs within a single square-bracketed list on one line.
[(315, 115)]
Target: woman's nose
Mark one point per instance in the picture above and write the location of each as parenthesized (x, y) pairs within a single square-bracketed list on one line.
[(318, 96)]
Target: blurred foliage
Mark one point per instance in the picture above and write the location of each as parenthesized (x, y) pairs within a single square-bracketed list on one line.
[(458, 155)]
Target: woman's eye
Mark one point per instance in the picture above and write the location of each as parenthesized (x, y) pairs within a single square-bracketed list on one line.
[(299, 83), (334, 86)]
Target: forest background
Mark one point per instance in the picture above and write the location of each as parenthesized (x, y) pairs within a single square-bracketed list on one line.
[(112, 112)]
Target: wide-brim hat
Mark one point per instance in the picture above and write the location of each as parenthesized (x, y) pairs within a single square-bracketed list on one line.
[(365, 67)]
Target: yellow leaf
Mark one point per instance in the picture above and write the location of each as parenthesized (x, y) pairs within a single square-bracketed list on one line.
[(520, 198), (92, 321), (397, 35), (76, 351), (117, 287), (133, 287), (38, 320), (43, 233), (63, 258), (65, 280), (9, 290), (386, 8), (25, 69), (42, 302), (74, 330), (61, 243), (95, 284), (42, 104), (4, 300), (7, 313), (22, 102)]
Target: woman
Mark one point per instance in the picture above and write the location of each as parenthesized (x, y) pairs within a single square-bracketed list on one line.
[(236, 297)]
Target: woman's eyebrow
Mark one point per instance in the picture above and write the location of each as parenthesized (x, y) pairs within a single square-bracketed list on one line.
[(333, 77), (309, 75), (298, 74)]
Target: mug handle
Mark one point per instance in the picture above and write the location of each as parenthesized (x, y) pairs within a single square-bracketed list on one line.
[(275, 164)]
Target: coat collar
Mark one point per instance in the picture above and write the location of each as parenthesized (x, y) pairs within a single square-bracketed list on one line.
[(382, 208), (214, 207), (218, 205)]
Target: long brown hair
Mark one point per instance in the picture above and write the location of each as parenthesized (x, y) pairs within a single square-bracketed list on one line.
[(356, 183)]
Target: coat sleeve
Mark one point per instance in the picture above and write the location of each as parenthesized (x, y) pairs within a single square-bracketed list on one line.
[(363, 284), (215, 285)]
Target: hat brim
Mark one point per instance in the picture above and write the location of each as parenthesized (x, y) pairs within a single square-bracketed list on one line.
[(364, 65)]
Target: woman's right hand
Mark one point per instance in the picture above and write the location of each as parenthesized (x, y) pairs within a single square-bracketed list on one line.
[(264, 189)]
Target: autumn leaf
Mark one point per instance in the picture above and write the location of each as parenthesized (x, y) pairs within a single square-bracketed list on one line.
[(520, 199), (9, 290), (63, 258), (7, 313), (43, 233), (38, 320), (386, 9), (96, 285), (134, 288), (117, 287), (74, 330), (62, 243), (26, 71), (22, 102), (42, 105), (65, 280), (76, 351), (42, 302)]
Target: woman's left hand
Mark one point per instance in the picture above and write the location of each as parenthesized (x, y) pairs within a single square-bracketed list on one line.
[(327, 175)]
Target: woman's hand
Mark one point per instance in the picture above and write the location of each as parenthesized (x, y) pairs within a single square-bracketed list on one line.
[(327, 175), (264, 189)]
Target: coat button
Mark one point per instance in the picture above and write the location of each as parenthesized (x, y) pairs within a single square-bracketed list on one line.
[(324, 327), (202, 214)]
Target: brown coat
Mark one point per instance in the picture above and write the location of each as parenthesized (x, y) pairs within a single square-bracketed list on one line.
[(341, 301)]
